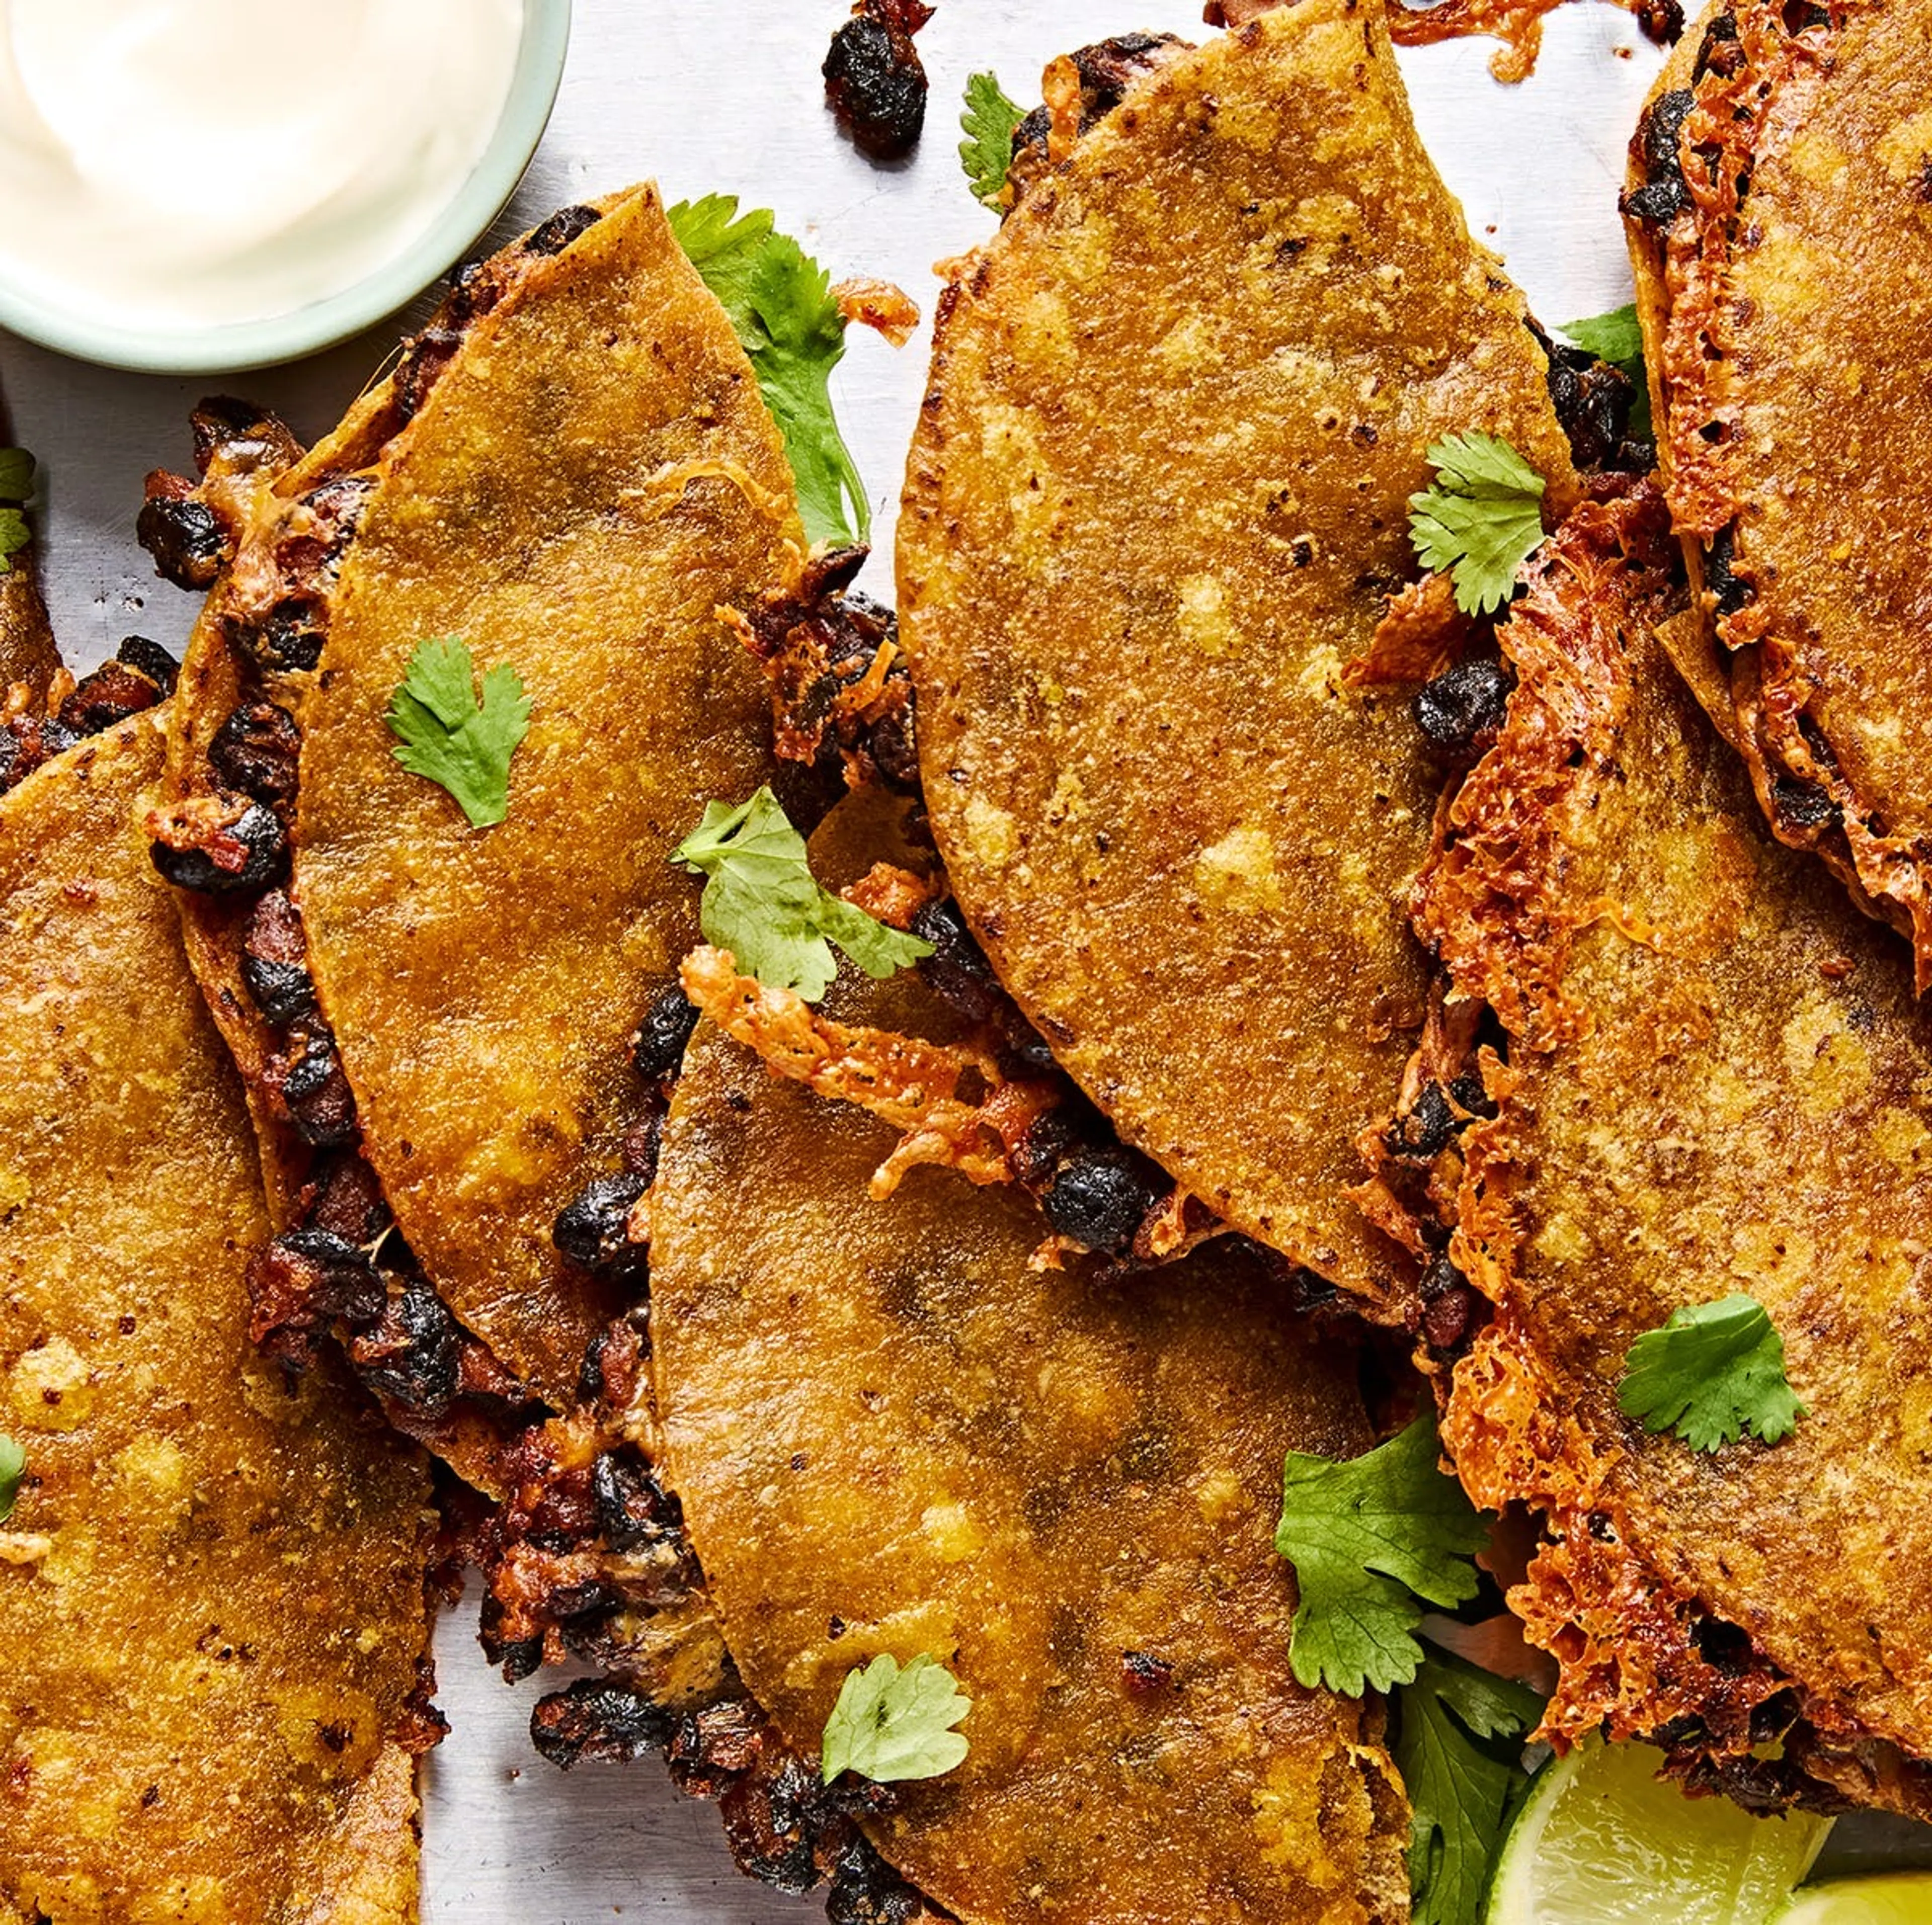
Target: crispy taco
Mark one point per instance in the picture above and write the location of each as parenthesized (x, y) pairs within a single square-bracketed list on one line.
[(453, 1035), (1780, 214), (1707, 1074), (890, 1431), (1155, 511), (212, 1574)]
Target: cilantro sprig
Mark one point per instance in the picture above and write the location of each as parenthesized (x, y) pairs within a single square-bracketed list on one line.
[(1480, 519), (12, 1469), (787, 321), (1459, 1744), (1711, 1373), (892, 1725), (990, 117), (17, 489), (1618, 338), (1372, 1538), (761, 903), (449, 734)]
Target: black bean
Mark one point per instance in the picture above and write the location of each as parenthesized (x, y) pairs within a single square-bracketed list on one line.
[(318, 1096), (1428, 1128), (345, 1283), (657, 1051), (1460, 712), (589, 1229), (957, 969), (113, 693), (562, 227), (265, 846), (281, 990), (151, 659), (865, 1890), (415, 1352), (1730, 591), (1664, 193), (1468, 1093), (599, 1720), (1100, 1200), (877, 85), (1803, 804), (185, 538), (256, 752), (634, 1511)]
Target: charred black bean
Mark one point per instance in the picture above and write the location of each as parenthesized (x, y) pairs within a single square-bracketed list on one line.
[(345, 1283), (589, 1229), (256, 752), (113, 693), (563, 227), (657, 1051), (151, 659), (957, 969), (1664, 193), (1730, 591), (263, 847), (865, 1890), (1468, 1093), (1459, 712), (1099, 1199), (282, 991), (185, 538), (877, 84), (599, 1720), (1803, 804), (634, 1511), (1592, 400), (415, 1352), (1427, 1130), (317, 1094)]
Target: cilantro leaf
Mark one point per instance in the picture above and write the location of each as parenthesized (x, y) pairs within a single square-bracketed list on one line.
[(787, 321), (1370, 1537), (1712, 1372), (1459, 1747), (1617, 338), (761, 903), (1481, 519), (12, 1469), (446, 734), (890, 1725), (988, 124), (16, 485)]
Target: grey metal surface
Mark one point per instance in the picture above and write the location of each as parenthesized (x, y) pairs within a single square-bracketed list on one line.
[(724, 95)]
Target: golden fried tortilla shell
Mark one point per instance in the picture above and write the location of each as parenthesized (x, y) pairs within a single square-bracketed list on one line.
[(592, 475), (1788, 334), (212, 1588), (1157, 498), (1718, 1081), (890, 1433)]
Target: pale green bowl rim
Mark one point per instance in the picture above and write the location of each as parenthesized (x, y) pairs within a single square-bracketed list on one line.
[(281, 338)]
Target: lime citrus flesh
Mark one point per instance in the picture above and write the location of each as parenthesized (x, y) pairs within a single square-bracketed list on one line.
[(1601, 1840), (1890, 1898)]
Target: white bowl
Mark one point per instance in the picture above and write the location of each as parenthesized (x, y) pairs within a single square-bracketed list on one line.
[(321, 324)]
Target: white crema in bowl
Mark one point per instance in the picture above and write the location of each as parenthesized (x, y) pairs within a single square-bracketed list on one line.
[(178, 164)]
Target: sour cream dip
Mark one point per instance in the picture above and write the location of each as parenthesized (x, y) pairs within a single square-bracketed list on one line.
[(176, 164)]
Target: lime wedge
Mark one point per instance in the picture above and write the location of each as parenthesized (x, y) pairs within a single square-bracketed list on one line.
[(1601, 1840), (1890, 1898)]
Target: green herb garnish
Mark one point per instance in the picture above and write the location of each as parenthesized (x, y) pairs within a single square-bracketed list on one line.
[(761, 903), (1459, 1744), (1712, 1372), (988, 124), (1371, 1538), (1480, 519), (891, 1725), (12, 1469), (788, 323), (446, 733), (1617, 338), (16, 486)]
